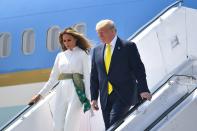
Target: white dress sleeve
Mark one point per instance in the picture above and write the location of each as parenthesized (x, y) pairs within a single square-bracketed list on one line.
[(86, 72), (53, 79)]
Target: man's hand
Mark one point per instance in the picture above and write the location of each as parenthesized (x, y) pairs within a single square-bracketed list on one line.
[(94, 105), (146, 95), (35, 99)]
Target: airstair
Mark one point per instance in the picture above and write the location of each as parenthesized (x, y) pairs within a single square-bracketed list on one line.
[(167, 45)]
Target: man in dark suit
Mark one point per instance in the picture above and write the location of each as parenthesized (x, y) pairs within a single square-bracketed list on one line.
[(117, 73)]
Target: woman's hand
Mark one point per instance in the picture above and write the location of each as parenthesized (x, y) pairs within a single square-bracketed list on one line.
[(35, 99)]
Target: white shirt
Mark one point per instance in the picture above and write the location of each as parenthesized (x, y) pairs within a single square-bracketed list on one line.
[(69, 61), (112, 44)]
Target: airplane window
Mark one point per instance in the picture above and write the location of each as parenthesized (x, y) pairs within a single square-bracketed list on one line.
[(5, 44), (28, 42), (53, 38), (81, 27)]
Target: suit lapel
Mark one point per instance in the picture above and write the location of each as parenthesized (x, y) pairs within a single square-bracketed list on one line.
[(116, 51), (102, 52)]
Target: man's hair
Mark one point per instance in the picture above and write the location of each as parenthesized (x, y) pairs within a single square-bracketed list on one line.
[(105, 23)]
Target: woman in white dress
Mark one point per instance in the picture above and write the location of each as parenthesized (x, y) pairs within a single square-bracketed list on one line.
[(72, 68)]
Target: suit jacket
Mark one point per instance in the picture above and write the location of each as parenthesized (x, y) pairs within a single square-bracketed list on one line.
[(126, 73)]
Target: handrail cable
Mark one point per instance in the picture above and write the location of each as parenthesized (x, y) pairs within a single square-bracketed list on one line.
[(163, 115), (119, 122), (18, 115), (178, 2)]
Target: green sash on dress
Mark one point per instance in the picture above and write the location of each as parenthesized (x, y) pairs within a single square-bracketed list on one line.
[(79, 88)]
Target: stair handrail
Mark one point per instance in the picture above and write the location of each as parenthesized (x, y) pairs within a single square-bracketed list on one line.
[(119, 122), (21, 113), (178, 2)]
